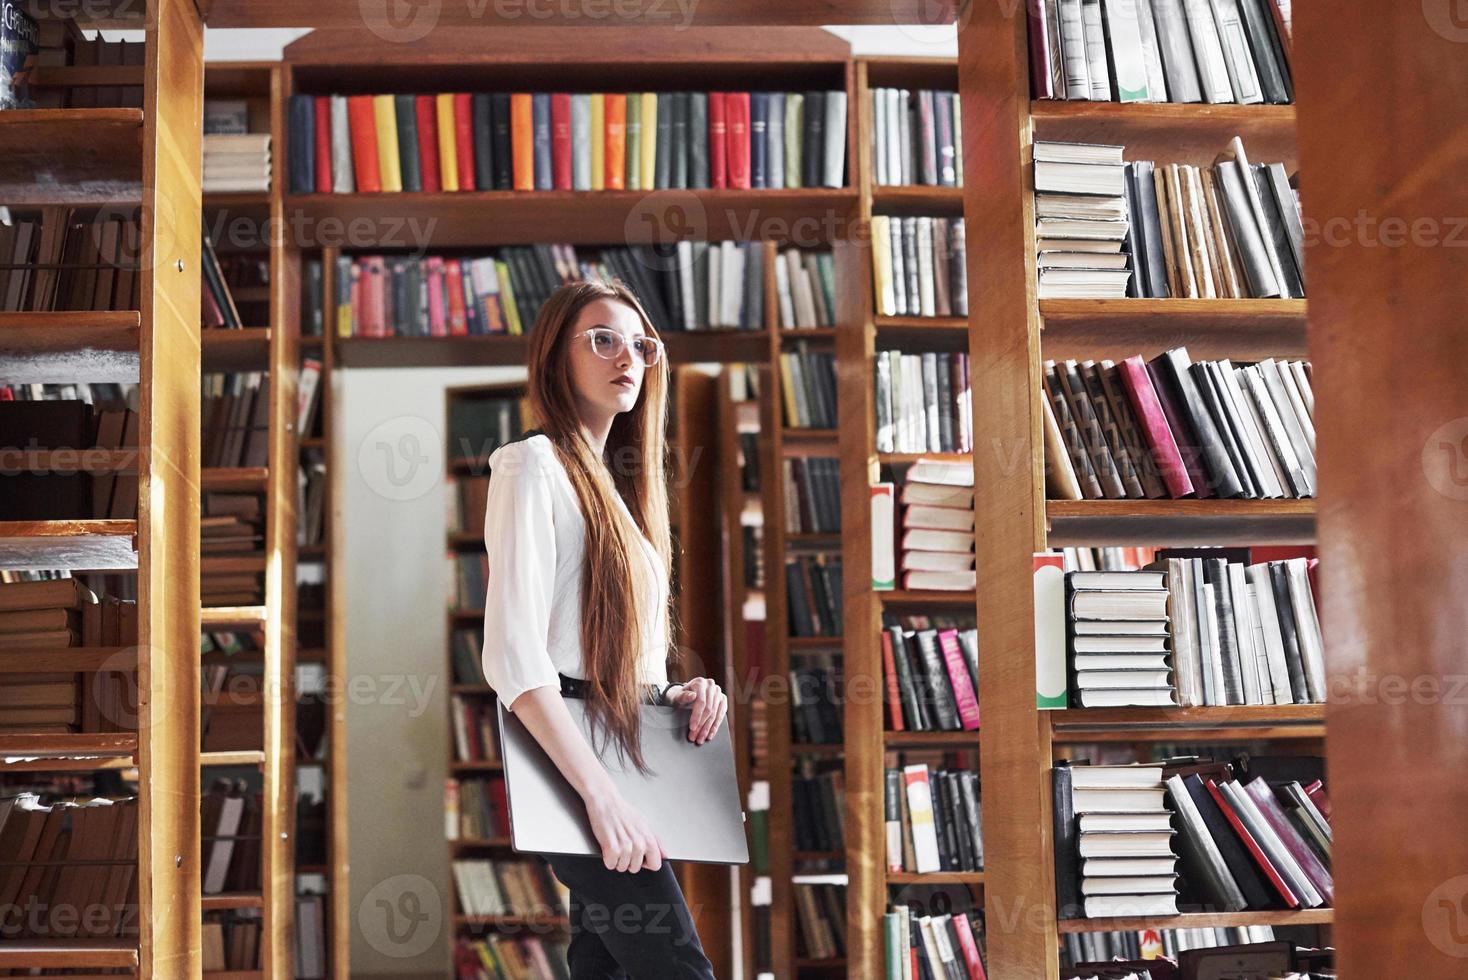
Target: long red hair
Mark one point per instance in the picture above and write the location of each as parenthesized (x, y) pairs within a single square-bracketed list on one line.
[(615, 589)]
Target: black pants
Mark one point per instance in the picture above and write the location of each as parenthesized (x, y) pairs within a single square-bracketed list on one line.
[(625, 925)]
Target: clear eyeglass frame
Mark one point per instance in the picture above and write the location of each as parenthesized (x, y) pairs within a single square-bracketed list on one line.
[(609, 343)]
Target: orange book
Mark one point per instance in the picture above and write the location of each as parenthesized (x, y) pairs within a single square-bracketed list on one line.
[(448, 154), (616, 140), (522, 145), (363, 124)]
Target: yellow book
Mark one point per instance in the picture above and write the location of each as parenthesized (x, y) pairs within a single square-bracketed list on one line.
[(886, 297), (507, 297), (386, 119), (787, 389), (598, 141), (648, 151), (448, 154)]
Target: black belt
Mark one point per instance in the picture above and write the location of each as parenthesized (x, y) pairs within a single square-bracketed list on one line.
[(577, 687)]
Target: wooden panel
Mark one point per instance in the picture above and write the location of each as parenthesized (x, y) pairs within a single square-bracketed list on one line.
[(993, 82), (242, 349), (70, 156), (63, 953), (1245, 329), (168, 497), (575, 13), (1172, 132), (1181, 522), (1385, 141), (1204, 920)]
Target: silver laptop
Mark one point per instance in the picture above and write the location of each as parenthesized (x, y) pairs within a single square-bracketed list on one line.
[(691, 797)]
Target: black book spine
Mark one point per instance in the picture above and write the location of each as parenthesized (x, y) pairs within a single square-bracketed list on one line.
[(1155, 265), (1220, 467), (1228, 637), (1068, 903), (1294, 284), (500, 136), (483, 141), (1284, 611), (1213, 404), (1257, 891), (813, 154), (1134, 229), (302, 132)]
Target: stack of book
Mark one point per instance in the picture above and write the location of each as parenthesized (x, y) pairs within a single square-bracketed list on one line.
[(937, 529), (1113, 842), (919, 266), (931, 673), (230, 941), (947, 944), (1249, 845), (917, 137), (1243, 634), (933, 818), (813, 593), (1171, 428), (820, 915), (1117, 639), (805, 287), (808, 387), (508, 887), (461, 141), (60, 258), (923, 403), (1232, 231), (812, 494), (1080, 221), (1160, 51), (235, 159)]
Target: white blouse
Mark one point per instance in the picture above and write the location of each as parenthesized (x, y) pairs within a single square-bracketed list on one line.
[(534, 533)]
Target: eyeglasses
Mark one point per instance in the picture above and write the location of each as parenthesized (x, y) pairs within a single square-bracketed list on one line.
[(609, 343)]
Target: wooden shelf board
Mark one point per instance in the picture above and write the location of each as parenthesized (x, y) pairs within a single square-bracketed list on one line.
[(233, 900), (63, 953), (69, 746), (479, 843), (233, 757), (796, 334), (23, 661), (234, 479), (906, 597), (916, 334), (242, 349), (1222, 723), (944, 739), (77, 545), (479, 766), (1240, 329), (899, 458), (67, 347), (512, 920), (1171, 132), (1199, 920), (71, 156), (238, 617), (916, 198), (935, 877), (479, 218), (1160, 522)]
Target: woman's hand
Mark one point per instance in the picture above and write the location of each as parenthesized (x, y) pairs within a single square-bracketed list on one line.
[(709, 706), (626, 839)]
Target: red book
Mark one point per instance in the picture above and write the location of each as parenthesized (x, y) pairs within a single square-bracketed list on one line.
[(958, 678), (1153, 420), (1189, 447), (425, 108), (364, 143), (968, 945), (894, 691), (1274, 816), (374, 287), (323, 144), (561, 140), (718, 133), (1260, 858), (736, 138), (464, 138), (437, 324), (453, 279)]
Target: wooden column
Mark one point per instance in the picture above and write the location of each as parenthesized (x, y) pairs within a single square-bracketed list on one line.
[(168, 496), (1009, 506), (1383, 150)]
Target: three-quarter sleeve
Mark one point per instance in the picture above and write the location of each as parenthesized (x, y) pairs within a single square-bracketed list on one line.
[(519, 537)]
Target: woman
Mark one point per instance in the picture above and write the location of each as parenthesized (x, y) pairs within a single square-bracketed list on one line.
[(576, 527)]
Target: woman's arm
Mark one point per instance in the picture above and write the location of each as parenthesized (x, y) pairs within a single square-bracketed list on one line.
[(627, 840)]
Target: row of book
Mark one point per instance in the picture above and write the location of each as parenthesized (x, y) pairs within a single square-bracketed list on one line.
[(466, 647), (62, 258), (813, 591), (476, 809), (1161, 50), (471, 579), (1236, 634), (935, 536), (808, 387), (818, 803), (1114, 853), (534, 141), (933, 818), (917, 137), (236, 161), (235, 411), (941, 944), (1170, 427), (1100, 947), (311, 492), (475, 737), (812, 487), (931, 675), (49, 441), (1230, 231), (55, 42), (310, 944), (480, 423), (515, 887), (231, 524), (922, 402), (74, 871), (230, 819), (820, 916), (229, 939), (815, 699), (501, 957), (919, 266), (230, 716)]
